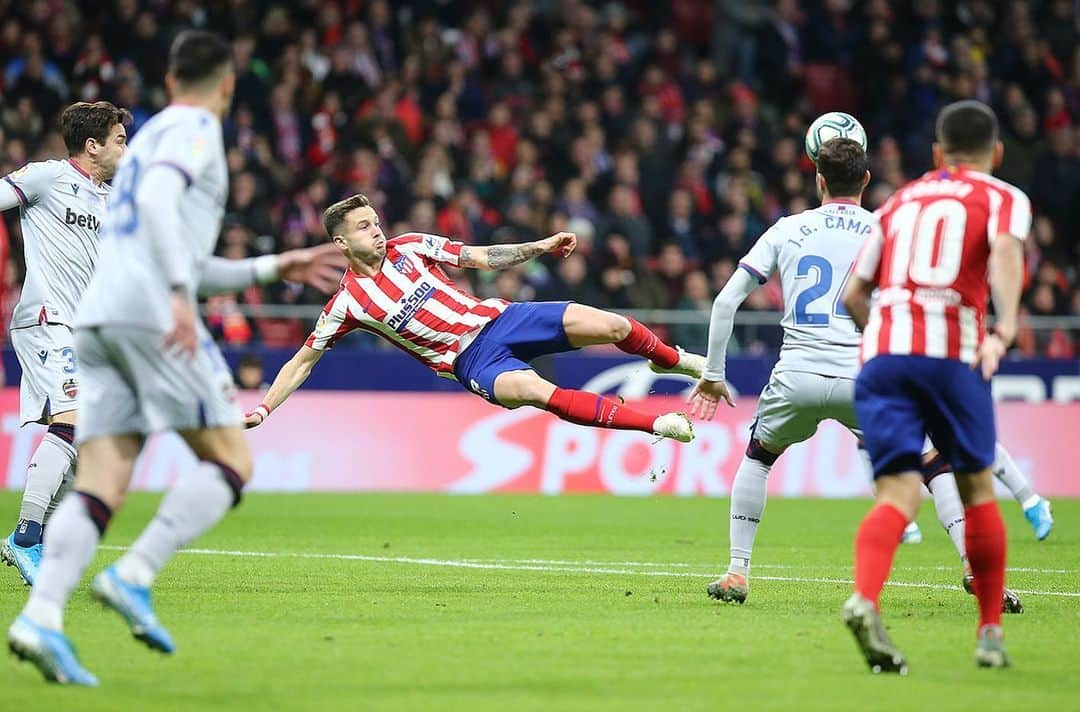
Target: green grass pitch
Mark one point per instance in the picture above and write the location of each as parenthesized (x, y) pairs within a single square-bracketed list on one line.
[(398, 602)]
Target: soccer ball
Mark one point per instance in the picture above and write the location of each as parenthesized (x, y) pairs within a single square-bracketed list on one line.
[(835, 124)]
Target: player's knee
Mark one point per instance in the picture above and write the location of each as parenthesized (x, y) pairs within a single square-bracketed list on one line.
[(756, 451), (618, 327), (243, 465), (534, 393)]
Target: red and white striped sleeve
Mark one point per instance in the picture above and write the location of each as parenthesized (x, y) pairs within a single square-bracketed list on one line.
[(1009, 213), (334, 322), (435, 248)]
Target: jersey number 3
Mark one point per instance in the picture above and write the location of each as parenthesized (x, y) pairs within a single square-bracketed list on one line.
[(821, 271)]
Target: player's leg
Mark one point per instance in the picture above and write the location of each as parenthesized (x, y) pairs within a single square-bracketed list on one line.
[(985, 542), (53, 461), (70, 544), (47, 394), (941, 482), (787, 414), (110, 442), (198, 501), (192, 397), (893, 433), (525, 387), (938, 477), (587, 326), (1036, 509), (962, 427)]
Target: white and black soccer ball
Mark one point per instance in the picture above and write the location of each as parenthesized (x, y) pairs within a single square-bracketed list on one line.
[(835, 124)]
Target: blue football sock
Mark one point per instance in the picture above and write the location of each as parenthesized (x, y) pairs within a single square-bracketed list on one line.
[(28, 533)]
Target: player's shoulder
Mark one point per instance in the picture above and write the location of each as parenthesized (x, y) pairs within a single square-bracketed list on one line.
[(407, 238), (996, 185), (407, 241), (785, 225), (41, 170)]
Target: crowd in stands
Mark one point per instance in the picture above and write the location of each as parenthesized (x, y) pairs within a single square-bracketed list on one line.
[(667, 135)]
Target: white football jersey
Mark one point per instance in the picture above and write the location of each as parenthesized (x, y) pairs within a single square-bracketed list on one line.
[(814, 252), (60, 211), (129, 286)]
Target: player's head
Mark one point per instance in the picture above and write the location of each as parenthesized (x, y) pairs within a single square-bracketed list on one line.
[(201, 70), (353, 225), (97, 133), (967, 133), (843, 169)]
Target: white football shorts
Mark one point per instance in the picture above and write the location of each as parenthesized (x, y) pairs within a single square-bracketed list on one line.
[(50, 371), (794, 403), (133, 385)]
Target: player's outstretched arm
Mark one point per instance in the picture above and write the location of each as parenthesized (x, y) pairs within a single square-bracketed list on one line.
[(503, 256), (320, 266), (1006, 283), (291, 376), (712, 388)]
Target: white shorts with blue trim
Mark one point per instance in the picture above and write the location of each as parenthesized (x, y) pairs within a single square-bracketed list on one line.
[(50, 371), (133, 385)]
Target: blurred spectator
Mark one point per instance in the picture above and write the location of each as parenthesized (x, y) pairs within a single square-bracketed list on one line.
[(249, 373), (669, 138)]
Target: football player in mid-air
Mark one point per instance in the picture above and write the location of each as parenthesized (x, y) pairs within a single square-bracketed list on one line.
[(395, 288), (148, 363)]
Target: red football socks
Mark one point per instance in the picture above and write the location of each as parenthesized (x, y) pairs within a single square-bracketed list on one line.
[(984, 538), (643, 342), (875, 544), (586, 408)]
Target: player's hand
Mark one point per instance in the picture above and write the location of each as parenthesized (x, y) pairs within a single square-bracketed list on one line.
[(255, 417), (706, 396), (988, 358), (183, 339), (320, 266), (562, 243)]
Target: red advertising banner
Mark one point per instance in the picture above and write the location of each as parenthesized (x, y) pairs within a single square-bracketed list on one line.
[(448, 442)]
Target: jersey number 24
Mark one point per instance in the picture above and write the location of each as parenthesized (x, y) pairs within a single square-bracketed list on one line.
[(820, 270)]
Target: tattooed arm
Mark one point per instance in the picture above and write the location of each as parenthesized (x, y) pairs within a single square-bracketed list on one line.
[(504, 256)]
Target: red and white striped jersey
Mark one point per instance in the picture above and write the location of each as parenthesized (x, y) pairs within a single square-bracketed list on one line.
[(411, 303), (929, 262)]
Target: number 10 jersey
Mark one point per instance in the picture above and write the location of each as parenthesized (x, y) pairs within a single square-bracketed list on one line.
[(929, 262)]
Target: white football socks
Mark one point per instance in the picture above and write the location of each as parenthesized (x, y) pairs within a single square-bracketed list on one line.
[(70, 543), (748, 494), (49, 464), (197, 502), (950, 510), (1005, 469)]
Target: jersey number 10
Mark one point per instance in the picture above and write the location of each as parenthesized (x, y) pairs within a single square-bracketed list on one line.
[(918, 254)]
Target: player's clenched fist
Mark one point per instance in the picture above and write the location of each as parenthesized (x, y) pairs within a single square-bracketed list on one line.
[(255, 417), (562, 243)]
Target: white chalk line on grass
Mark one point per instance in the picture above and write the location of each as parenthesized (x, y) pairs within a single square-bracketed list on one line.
[(549, 568), (660, 564)]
